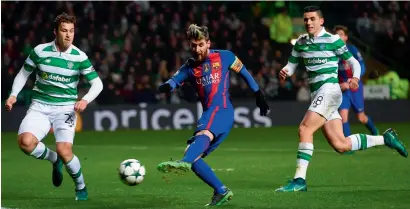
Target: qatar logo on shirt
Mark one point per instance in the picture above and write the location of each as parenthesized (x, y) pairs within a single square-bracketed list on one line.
[(214, 77)]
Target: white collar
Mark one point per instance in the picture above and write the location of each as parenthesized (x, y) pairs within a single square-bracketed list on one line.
[(321, 33), (68, 51)]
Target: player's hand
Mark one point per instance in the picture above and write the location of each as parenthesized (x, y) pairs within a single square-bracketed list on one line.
[(80, 105), (10, 102), (283, 74), (261, 103), (353, 83), (344, 86), (165, 88)]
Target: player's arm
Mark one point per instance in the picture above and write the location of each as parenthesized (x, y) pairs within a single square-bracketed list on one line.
[(358, 56), (343, 53), (293, 63), (88, 71), (236, 65), (176, 80), (21, 78)]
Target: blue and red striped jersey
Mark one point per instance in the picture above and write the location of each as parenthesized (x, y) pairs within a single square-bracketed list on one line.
[(211, 77)]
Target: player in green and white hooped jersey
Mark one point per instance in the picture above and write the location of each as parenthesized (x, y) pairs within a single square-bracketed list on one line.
[(320, 52), (57, 66)]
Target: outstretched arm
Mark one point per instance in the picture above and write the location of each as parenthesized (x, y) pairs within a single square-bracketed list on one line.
[(175, 81), (238, 67)]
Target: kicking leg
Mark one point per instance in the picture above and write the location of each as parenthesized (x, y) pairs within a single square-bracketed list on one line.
[(333, 133), (192, 153), (311, 122)]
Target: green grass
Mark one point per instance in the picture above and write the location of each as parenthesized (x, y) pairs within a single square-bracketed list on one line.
[(262, 159)]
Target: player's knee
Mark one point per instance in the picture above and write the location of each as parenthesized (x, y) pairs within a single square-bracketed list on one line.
[(304, 130), (345, 115), (64, 151), (27, 142), (205, 132), (342, 147)]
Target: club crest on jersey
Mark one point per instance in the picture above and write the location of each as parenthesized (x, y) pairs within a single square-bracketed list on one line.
[(322, 46), (216, 65), (206, 67), (70, 65)]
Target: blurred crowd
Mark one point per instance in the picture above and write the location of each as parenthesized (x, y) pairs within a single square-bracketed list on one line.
[(385, 25), (135, 46)]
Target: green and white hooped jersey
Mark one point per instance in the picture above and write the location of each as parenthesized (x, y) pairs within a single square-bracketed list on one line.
[(58, 73), (321, 56)]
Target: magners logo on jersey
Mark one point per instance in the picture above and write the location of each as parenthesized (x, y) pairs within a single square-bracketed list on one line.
[(316, 61), (214, 77)]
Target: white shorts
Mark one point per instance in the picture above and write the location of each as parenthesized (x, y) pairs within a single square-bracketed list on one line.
[(326, 101), (40, 118)]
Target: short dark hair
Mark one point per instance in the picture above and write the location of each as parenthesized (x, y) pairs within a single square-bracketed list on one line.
[(64, 18), (340, 27), (313, 9), (197, 32)]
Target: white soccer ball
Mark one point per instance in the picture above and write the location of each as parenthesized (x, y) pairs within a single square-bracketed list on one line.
[(131, 172)]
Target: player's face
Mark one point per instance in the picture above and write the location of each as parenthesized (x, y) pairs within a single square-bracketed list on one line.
[(342, 35), (313, 23), (65, 35), (200, 48)]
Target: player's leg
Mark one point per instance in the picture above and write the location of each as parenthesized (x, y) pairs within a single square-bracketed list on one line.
[(344, 112), (202, 138), (333, 133), (64, 131), (193, 152), (221, 193), (358, 108), (310, 124), (325, 101), (29, 140), (368, 122)]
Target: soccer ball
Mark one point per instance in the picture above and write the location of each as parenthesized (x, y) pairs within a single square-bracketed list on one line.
[(131, 172)]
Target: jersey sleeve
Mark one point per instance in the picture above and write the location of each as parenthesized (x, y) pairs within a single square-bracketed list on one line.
[(294, 56), (341, 50), (179, 77), (31, 62), (358, 56), (233, 62), (236, 65), (87, 69)]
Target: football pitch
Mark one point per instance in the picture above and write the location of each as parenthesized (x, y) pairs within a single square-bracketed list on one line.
[(252, 162)]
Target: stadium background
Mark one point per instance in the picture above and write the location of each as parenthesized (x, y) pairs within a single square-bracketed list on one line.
[(135, 46)]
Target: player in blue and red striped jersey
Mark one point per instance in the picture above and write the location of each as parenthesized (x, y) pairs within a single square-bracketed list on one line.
[(352, 97), (208, 71)]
